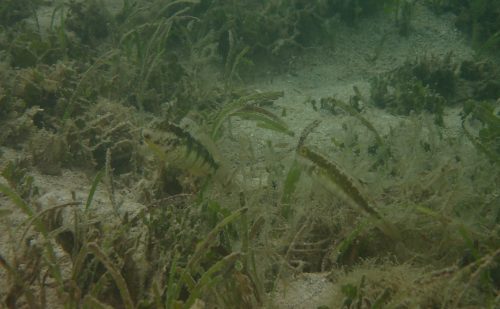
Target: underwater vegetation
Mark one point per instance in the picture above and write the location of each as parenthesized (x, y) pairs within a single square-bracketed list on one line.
[(480, 19), (149, 100), (488, 134), (414, 88), (430, 84), (12, 11)]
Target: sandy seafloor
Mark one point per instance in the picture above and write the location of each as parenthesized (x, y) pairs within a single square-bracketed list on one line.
[(316, 74)]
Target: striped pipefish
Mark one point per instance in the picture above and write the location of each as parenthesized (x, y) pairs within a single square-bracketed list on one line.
[(176, 147), (344, 186)]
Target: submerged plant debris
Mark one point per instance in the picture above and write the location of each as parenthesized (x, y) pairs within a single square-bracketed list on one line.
[(249, 154)]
